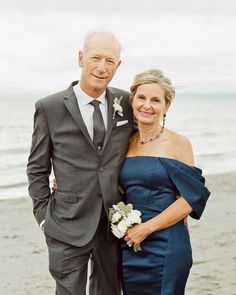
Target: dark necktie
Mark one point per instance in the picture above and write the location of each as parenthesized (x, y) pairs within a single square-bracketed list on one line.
[(98, 126)]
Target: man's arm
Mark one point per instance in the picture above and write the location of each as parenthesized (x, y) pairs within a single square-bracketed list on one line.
[(39, 164)]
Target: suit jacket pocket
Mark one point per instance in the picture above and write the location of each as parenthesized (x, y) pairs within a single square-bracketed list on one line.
[(66, 197), (66, 205), (122, 127), (122, 123)]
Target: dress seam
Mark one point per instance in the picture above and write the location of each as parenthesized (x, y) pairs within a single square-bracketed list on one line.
[(169, 229)]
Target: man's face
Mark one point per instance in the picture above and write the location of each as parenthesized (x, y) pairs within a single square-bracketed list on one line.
[(99, 61)]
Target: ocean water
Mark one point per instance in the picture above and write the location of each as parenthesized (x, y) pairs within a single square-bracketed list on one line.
[(208, 121)]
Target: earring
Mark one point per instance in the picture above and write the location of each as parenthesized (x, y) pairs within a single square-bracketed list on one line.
[(164, 120)]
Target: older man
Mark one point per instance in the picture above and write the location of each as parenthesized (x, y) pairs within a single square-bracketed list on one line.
[(84, 136)]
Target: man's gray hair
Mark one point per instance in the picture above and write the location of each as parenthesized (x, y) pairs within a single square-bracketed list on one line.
[(105, 33)]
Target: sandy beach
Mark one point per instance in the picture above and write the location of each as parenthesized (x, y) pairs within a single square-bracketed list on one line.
[(24, 261)]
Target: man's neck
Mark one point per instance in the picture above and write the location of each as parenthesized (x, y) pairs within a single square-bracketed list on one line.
[(92, 92)]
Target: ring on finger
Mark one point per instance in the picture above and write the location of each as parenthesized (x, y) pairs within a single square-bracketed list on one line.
[(129, 244)]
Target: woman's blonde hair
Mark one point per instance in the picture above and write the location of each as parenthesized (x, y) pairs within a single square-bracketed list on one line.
[(153, 76)]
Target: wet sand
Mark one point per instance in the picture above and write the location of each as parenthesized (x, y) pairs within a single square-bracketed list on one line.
[(24, 261), (214, 241)]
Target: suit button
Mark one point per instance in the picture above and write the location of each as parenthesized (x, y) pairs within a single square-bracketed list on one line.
[(100, 169), (99, 196), (99, 148)]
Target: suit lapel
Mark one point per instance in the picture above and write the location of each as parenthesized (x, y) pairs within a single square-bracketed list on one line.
[(71, 104), (110, 121)]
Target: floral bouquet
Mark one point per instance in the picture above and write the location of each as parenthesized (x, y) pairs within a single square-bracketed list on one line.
[(123, 217)]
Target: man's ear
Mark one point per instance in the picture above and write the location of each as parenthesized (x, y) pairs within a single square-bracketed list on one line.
[(119, 62), (80, 58)]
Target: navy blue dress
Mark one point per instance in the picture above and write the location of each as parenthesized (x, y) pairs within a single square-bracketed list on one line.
[(152, 184)]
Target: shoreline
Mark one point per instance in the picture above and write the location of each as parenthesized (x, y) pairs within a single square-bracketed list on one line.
[(19, 190), (23, 252), (15, 191)]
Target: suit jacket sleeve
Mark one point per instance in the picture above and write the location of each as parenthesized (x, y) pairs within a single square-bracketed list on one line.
[(39, 164)]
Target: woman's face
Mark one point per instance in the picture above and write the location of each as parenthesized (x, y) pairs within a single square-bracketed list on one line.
[(149, 104)]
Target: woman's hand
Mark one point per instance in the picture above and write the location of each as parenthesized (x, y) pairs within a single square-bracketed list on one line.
[(54, 185), (137, 233)]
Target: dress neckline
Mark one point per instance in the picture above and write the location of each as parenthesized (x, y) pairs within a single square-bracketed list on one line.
[(162, 158)]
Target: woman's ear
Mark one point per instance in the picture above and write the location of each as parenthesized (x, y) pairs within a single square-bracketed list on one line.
[(168, 103)]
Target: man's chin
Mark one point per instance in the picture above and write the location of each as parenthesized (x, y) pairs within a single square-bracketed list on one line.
[(99, 85), (96, 89)]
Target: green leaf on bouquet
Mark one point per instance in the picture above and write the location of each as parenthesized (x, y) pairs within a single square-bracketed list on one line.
[(111, 213), (137, 248), (125, 208)]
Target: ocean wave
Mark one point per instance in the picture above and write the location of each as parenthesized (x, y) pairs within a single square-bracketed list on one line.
[(15, 150), (13, 185), (203, 134), (217, 155)]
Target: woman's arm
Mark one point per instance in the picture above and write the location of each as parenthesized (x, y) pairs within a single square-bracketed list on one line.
[(177, 211)]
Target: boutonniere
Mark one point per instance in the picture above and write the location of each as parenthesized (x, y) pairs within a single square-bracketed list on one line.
[(117, 108)]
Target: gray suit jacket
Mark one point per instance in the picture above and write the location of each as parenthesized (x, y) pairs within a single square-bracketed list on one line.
[(85, 179)]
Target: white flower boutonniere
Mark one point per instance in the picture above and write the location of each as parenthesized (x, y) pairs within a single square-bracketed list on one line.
[(117, 108)]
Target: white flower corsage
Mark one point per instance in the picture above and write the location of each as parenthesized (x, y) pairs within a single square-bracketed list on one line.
[(117, 108), (122, 217)]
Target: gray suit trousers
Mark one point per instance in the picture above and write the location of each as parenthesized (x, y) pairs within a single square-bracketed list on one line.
[(68, 265)]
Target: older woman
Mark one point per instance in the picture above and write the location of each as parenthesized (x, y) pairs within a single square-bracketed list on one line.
[(160, 180)]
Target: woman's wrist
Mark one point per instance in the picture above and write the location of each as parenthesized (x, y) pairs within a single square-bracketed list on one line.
[(149, 228)]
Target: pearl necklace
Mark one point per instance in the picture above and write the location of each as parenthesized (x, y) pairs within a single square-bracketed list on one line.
[(151, 139)]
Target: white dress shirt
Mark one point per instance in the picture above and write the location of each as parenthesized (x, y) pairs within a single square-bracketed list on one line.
[(87, 109)]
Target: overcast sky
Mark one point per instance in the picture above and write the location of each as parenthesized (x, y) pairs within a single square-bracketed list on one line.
[(194, 42)]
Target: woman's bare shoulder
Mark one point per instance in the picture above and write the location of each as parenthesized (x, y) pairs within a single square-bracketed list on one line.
[(182, 147)]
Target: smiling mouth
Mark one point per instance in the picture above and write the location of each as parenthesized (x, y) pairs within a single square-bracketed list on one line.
[(98, 77), (145, 113)]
